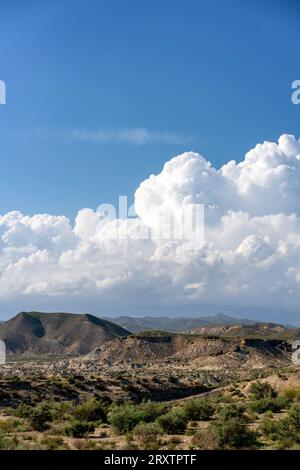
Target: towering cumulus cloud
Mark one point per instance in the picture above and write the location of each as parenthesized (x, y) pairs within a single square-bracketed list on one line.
[(251, 252)]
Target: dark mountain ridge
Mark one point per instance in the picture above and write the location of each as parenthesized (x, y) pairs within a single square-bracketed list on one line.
[(35, 333)]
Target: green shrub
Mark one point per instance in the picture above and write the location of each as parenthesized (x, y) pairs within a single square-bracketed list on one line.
[(199, 409), (7, 443), (286, 443), (9, 425), (173, 422), (79, 429), (262, 390), (223, 399), (285, 430), (270, 429), (147, 435), (269, 404), (233, 434), (232, 411), (292, 393), (53, 443), (282, 402), (294, 417), (207, 439), (22, 411), (124, 418), (152, 410), (260, 406), (61, 410), (91, 410), (39, 418)]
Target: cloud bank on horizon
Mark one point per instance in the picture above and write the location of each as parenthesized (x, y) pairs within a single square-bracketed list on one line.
[(251, 253)]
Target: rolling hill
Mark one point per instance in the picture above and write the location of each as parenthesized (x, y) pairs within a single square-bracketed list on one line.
[(35, 333)]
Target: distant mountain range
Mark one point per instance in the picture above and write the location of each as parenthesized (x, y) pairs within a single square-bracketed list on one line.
[(254, 330), (36, 333), (177, 324), (256, 313), (63, 334)]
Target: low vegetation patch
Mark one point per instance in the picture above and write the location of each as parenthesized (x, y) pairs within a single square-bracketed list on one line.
[(124, 418), (235, 418)]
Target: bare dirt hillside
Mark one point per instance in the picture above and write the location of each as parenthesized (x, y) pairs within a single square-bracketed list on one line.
[(203, 351)]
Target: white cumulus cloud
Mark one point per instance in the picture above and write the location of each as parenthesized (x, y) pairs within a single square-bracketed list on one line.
[(251, 252)]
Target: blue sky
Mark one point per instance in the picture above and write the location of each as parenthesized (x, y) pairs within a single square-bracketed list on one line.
[(84, 77)]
